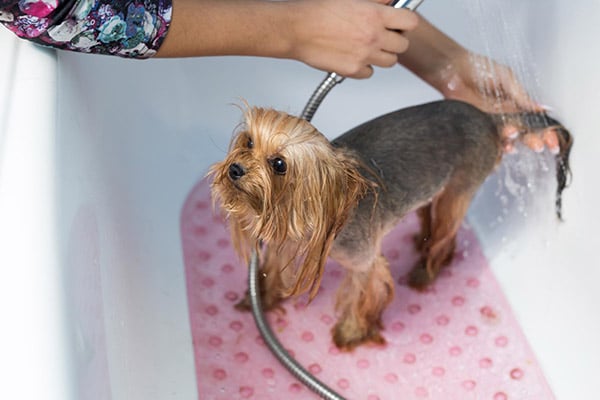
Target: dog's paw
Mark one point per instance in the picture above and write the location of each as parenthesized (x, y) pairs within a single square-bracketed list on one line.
[(268, 303), (347, 339), (419, 278), (421, 242), (244, 304)]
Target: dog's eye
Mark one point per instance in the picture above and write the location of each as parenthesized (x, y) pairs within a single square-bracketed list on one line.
[(249, 143), (279, 165)]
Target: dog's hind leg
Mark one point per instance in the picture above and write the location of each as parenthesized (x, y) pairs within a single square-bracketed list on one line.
[(447, 212), (422, 238), (361, 299)]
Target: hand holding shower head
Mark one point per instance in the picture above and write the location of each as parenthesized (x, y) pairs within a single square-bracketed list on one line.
[(333, 79)]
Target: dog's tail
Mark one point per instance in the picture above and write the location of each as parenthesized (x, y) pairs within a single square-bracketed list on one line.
[(536, 122)]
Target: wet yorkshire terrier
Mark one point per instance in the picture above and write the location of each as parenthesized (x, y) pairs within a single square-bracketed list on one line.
[(298, 198)]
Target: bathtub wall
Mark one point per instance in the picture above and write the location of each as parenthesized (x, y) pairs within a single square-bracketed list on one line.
[(98, 155), (550, 271), (34, 362)]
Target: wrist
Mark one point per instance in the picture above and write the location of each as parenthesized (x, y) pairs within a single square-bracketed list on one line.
[(433, 56), (298, 32), (441, 67), (444, 74)]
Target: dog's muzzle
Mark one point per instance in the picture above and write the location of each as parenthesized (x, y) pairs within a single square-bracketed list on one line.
[(236, 171)]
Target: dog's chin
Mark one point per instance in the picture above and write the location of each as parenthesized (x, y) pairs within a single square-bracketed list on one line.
[(237, 186), (235, 200), (225, 189), (230, 196)]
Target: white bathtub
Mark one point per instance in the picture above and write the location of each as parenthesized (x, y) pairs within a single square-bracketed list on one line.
[(97, 156)]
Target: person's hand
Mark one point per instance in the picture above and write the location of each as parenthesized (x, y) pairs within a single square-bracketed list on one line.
[(493, 87), (348, 37)]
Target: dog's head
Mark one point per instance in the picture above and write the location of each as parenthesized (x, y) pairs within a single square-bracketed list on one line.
[(282, 181)]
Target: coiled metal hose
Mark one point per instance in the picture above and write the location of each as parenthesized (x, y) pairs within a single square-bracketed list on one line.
[(276, 348), (267, 334)]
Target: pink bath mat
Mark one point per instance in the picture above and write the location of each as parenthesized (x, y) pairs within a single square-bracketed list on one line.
[(459, 340)]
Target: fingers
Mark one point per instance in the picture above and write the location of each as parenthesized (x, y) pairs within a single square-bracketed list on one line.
[(494, 88), (391, 41), (399, 19), (520, 97), (394, 42), (536, 141), (383, 59), (515, 97), (363, 73), (510, 132), (550, 139), (491, 86), (386, 56)]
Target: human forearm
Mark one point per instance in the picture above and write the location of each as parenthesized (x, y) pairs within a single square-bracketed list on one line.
[(343, 36), (216, 28)]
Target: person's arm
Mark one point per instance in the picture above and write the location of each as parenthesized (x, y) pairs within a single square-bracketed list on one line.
[(430, 54), (460, 74), (342, 36)]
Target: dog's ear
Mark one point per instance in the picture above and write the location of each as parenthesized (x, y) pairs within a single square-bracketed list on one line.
[(242, 242), (322, 199)]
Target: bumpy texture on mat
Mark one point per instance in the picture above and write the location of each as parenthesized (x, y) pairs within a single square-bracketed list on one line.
[(459, 340)]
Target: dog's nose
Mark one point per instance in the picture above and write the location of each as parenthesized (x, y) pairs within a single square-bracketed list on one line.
[(236, 171)]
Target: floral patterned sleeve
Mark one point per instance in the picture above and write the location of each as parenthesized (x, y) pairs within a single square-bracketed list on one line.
[(127, 28)]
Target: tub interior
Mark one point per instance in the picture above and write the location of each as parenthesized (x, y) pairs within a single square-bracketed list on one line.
[(115, 147), (457, 339)]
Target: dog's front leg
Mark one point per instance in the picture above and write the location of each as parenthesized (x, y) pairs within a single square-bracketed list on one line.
[(361, 299), (276, 277)]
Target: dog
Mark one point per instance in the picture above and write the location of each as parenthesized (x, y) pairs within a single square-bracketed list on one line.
[(297, 198)]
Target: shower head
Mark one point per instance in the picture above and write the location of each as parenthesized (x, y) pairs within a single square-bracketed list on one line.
[(408, 4)]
